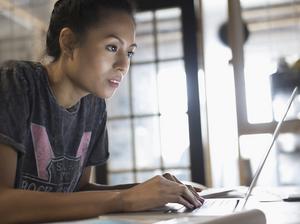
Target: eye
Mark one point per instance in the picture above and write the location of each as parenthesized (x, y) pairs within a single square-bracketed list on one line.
[(130, 54), (112, 48)]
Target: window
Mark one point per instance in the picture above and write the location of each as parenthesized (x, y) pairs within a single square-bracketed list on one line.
[(150, 116), (148, 122), (272, 48)]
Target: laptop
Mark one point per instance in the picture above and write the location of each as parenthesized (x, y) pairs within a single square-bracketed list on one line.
[(223, 206)]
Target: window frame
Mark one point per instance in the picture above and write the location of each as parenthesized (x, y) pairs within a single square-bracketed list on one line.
[(190, 56)]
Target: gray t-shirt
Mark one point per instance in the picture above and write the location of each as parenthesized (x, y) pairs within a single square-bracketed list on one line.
[(53, 144)]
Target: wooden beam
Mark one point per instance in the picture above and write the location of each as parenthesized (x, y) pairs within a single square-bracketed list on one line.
[(236, 40), (266, 26), (273, 16), (202, 92), (271, 9)]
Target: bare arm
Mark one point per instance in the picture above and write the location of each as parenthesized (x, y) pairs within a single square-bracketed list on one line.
[(85, 184), (21, 206)]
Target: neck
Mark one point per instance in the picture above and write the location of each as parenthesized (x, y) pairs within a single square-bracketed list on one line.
[(65, 91)]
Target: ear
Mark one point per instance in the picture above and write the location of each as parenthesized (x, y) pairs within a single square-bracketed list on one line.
[(67, 42)]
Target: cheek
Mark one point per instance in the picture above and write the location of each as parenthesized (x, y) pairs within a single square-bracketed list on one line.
[(98, 61), (94, 65)]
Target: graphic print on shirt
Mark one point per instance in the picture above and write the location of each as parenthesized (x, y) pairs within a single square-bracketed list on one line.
[(58, 174)]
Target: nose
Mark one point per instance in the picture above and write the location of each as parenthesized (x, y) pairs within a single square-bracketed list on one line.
[(122, 62)]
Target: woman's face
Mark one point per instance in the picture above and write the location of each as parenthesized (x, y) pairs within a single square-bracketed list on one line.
[(101, 61)]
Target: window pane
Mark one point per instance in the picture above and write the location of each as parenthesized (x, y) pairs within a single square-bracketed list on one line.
[(119, 104), (254, 147), (172, 87), (144, 21), (121, 178), (144, 38), (273, 39), (146, 175), (145, 50), (170, 13), (144, 16), (147, 142), (175, 140), (144, 87), (169, 25), (120, 144), (170, 45), (280, 102), (258, 93), (288, 168), (169, 33), (288, 146)]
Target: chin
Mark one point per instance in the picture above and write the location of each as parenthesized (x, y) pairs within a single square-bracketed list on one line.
[(105, 95)]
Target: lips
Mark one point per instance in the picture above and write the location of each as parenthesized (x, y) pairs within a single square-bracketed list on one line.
[(116, 81)]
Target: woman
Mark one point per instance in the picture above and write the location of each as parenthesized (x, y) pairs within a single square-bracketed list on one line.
[(53, 121)]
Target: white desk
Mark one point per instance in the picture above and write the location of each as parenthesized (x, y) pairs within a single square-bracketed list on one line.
[(275, 212), (281, 212)]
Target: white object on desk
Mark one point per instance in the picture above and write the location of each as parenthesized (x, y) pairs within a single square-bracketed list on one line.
[(253, 216)]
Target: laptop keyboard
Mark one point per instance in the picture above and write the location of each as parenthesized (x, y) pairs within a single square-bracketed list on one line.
[(211, 207), (218, 204)]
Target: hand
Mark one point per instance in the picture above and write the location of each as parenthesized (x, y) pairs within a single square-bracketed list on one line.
[(157, 192), (193, 189)]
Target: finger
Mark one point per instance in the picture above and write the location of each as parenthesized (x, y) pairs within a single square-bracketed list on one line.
[(189, 196), (198, 189), (195, 193), (193, 196), (169, 177), (192, 189), (178, 181), (200, 200), (186, 203)]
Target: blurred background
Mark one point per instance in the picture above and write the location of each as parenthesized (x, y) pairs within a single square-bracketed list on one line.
[(206, 88)]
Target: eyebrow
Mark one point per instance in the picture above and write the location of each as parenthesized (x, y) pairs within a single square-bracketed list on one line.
[(119, 39)]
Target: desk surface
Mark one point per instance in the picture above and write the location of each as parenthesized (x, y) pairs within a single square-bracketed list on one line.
[(276, 212), (280, 212)]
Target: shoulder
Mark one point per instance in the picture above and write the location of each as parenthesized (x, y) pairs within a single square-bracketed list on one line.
[(16, 75), (17, 66)]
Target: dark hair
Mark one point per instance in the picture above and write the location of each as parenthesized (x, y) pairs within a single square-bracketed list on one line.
[(79, 15)]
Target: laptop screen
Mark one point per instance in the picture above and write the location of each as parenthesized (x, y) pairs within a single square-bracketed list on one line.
[(275, 135)]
